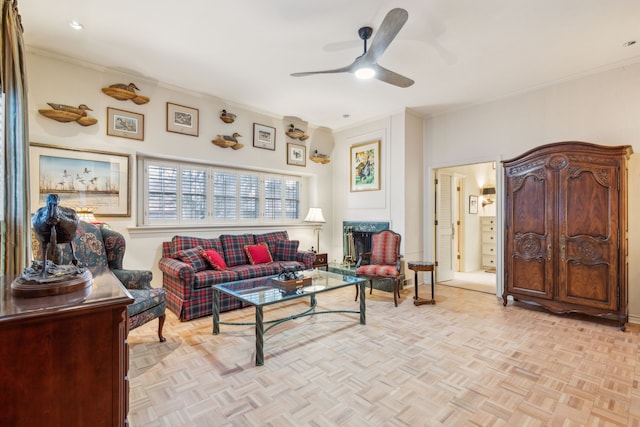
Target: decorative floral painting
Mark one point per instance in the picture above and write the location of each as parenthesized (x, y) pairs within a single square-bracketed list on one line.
[(365, 166)]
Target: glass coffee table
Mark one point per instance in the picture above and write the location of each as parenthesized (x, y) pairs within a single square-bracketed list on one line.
[(261, 291)]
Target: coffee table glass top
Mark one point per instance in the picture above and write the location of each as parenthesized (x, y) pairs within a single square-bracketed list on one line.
[(261, 291)]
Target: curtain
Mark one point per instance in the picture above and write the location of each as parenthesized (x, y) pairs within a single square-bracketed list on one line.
[(15, 174)]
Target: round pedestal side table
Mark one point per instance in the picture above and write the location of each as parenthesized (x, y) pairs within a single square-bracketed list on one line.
[(422, 266)]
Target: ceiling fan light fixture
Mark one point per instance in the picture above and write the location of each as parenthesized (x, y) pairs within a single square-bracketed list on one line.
[(365, 73)]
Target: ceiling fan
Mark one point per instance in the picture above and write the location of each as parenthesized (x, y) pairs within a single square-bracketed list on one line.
[(366, 65)]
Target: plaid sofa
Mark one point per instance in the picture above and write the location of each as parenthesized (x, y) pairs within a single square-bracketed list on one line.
[(187, 278)]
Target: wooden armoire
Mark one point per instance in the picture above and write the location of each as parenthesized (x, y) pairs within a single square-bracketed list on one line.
[(566, 229)]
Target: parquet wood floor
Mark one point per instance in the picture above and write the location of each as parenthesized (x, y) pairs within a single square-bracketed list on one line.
[(466, 361)]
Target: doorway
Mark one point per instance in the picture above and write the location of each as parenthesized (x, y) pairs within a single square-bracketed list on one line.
[(465, 226)]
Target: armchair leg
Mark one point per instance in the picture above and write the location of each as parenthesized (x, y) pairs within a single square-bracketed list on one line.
[(370, 286), (357, 290), (160, 325), (396, 291)]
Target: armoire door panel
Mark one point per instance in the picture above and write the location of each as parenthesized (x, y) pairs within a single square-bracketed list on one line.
[(528, 276), (588, 271), (588, 203), (588, 236), (589, 286), (531, 265), (529, 195)]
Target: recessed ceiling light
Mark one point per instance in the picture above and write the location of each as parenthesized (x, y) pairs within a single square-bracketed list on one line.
[(629, 43), (346, 116), (76, 25)]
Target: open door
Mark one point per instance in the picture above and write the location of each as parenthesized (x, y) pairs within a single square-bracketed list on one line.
[(445, 227)]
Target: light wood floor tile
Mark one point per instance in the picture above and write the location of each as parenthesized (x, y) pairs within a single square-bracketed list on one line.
[(466, 361)]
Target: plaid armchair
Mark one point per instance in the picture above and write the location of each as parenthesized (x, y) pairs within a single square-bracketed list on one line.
[(100, 246), (384, 261)]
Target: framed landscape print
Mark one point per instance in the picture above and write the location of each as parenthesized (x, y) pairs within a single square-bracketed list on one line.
[(264, 136), (82, 178), (181, 119), (125, 124), (365, 166), (296, 154)]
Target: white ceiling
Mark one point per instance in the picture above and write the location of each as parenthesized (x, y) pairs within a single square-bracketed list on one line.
[(459, 52)]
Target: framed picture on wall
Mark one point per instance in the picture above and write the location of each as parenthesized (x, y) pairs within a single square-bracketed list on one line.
[(264, 137), (473, 204), (99, 179), (296, 154), (365, 166), (125, 124), (181, 119)]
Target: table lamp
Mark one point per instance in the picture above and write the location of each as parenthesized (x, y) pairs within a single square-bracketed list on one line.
[(315, 216), (86, 214)]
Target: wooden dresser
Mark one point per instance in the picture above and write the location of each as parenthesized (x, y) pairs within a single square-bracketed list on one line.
[(65, 358), (566, 228)]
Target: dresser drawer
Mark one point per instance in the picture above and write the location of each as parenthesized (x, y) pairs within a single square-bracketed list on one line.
[(488, 249), (489, 229), (488, 220), (489, 260), (488, 237)]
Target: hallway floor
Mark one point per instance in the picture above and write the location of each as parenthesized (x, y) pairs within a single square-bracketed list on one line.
[(479, 281)]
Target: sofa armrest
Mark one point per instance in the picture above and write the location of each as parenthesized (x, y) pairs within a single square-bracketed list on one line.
[(178, 269), (307, 258), (134, 279)]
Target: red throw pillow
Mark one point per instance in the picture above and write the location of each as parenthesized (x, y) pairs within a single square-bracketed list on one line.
[(258, 254), (214, 259)]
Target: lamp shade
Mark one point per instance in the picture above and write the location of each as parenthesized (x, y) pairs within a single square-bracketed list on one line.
[(86, 214), (314, 215), (488, 191)]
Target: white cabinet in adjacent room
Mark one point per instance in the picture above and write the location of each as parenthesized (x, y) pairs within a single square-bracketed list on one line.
[(488, 224)]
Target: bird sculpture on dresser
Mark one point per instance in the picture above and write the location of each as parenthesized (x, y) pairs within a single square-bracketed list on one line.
[(80, 109), (53, 224)]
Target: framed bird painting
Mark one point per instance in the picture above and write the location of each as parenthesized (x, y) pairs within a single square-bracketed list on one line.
[(82, 178), (125, 124)]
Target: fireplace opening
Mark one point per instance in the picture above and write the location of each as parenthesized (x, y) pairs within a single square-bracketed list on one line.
[(357, 237)]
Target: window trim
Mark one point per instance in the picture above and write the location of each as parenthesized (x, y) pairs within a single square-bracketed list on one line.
[(210, 221)]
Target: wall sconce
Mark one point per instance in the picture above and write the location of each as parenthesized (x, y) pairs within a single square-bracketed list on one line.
[(315, 216), (488, 195)]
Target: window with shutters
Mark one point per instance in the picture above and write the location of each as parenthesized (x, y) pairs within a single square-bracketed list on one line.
[(186, 193)]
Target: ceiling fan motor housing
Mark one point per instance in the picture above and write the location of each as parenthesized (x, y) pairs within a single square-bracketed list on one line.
[(365, 33)]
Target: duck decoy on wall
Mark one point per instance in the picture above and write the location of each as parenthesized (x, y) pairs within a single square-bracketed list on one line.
[(296, 133), (123, 92), (227, 117), (226, 141), (67, 113)]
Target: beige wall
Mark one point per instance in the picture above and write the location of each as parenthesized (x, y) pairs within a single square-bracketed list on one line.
[(54, 79), (603, 108)]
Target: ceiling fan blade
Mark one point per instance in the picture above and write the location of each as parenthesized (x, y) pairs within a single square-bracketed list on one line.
[(391, 77), (389, 29), (336, 70)]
